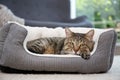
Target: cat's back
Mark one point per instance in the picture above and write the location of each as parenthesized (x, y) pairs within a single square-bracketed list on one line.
[(51, 45), (46, 41)]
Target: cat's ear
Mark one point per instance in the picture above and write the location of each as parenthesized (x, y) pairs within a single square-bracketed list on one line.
[(89, 35), (68, 32)]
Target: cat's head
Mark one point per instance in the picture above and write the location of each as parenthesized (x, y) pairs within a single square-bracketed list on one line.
[(78, 43)]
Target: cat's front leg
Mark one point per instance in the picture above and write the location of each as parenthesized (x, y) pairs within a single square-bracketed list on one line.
[(64, 52)]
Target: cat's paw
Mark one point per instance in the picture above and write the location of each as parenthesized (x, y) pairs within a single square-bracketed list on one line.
[(85, 56)]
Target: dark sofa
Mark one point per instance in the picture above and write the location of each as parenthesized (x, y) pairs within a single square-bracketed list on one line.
[(51, 13)]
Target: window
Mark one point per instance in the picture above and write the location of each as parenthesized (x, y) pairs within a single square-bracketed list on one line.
[(102, 13)]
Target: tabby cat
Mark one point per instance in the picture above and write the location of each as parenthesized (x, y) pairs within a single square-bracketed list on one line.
[(74, 43)]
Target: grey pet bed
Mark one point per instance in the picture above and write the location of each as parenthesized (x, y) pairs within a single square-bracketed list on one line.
[(13, 53)]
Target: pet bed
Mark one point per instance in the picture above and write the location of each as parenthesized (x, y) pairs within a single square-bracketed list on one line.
[(14, 54)]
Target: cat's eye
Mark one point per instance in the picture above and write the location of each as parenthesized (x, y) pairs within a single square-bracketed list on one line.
[(82, 45), (71, 44)]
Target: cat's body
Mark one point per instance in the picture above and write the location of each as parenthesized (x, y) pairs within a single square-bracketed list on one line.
[(51, 45), (74, 43)]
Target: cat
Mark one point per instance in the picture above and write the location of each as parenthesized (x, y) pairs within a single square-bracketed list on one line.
[(74, 43)]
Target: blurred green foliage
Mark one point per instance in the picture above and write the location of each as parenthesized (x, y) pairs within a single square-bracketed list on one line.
[(103, 13)]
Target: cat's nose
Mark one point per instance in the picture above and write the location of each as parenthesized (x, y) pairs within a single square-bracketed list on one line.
[(76, 50)]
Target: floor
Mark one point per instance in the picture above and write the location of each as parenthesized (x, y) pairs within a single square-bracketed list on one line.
[(112, 74), (117, 49)]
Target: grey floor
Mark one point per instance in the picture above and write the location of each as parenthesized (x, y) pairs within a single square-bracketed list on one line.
[(117, 49)]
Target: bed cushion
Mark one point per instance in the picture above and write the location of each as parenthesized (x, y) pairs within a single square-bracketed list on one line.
[(14, 55)]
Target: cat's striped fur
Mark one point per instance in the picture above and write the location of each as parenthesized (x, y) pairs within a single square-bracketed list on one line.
[(74, 43), (51, 45)]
